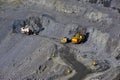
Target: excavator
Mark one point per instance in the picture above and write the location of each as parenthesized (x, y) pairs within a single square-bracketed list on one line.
[(25, 30), (28, 30), (77, 38)]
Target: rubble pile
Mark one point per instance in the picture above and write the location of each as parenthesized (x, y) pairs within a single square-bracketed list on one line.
[(33, 23)]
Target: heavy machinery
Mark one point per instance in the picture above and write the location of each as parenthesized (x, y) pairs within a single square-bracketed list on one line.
[(69, 71), (64, 40), (77, 38), (28, 29), (25, 30), (94, 63)]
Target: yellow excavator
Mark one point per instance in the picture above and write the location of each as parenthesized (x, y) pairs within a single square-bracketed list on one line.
[(77, 38)]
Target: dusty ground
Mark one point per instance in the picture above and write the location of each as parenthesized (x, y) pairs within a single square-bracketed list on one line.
[(24, 57)]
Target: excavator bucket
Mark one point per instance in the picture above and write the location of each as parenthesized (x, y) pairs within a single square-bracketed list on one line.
[(64, 40)]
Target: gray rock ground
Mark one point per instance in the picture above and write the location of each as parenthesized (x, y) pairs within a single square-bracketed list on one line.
[(24, 57)]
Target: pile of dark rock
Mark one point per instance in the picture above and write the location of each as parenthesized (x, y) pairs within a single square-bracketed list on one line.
[(105, 3), (33, 23)]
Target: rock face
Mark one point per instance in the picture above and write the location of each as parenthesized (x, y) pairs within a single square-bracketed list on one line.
[(42, 56)]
